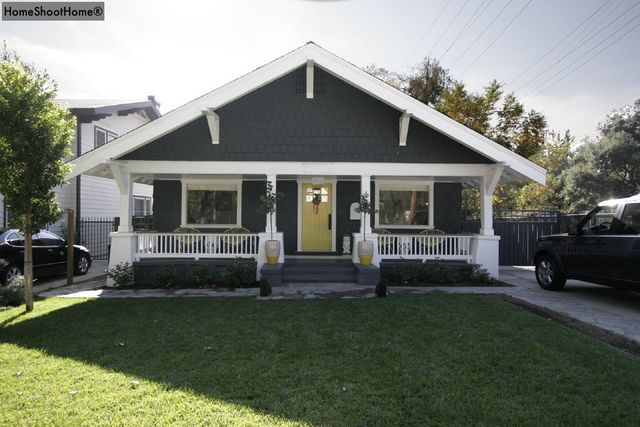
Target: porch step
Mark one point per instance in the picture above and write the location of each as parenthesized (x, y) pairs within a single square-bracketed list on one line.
[(318, 271)]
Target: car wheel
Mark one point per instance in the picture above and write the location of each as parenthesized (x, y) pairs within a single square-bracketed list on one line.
[(82, 265), (548, 274), (11, 273)]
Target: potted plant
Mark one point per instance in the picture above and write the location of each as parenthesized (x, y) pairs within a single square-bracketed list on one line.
[(269, 200), (365, 247)]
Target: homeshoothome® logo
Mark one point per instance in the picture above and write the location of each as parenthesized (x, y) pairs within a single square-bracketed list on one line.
[(52, 11)]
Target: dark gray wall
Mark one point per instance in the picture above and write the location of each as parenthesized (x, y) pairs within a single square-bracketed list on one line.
[(276, 122), (447, 204), (287, 218), (167, 199), (254, 216), (347, 193)]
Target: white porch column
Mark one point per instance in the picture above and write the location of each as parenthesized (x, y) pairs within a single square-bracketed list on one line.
[(485, 247), (124, 242), (488, 184), (365, 187), (125, 186), (272, 180)]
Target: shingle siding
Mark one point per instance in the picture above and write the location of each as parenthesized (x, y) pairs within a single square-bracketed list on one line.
[(278, 123)]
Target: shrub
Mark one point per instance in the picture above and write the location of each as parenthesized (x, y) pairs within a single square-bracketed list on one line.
[(13, 293), (436, 272), (201, 276), (265, 288), (407, 272), (164, 277), (239, 274), (381, 288), (481, 275), (122, 274)]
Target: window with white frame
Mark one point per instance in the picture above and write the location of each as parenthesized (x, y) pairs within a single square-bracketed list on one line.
[(404, 204), (103, 136), (142, 206), (213, 204)]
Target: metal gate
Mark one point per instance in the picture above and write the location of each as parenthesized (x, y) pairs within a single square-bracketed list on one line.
[(93, 233), (518, 230)]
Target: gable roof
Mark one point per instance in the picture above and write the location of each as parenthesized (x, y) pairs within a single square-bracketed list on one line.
[(92, 108), (516, 167)]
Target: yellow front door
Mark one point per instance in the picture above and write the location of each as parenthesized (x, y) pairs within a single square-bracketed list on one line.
[(316, 217)]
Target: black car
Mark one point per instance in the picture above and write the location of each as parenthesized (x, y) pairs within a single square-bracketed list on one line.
[(49, 255), (603, 248)]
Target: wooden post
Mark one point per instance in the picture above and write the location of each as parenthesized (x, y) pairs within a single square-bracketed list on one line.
[(28, 264), (70, 223)]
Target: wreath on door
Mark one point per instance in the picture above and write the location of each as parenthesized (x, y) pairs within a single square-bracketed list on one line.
[(317, 199)]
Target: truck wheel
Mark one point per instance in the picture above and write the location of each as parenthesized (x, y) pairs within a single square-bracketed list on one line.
[(548, 274)]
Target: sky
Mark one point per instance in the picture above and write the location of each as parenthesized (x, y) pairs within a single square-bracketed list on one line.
[(178, 51)]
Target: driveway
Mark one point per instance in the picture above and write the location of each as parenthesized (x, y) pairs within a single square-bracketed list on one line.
[(97, 271), (612, 309)]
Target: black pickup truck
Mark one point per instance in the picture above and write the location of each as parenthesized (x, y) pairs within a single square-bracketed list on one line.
[(603, 248)]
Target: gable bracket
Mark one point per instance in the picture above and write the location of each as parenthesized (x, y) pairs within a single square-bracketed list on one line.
[(213, 120), (405, 118), (310, 79)]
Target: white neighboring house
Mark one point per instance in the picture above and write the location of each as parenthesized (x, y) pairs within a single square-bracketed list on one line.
[(98, 123)]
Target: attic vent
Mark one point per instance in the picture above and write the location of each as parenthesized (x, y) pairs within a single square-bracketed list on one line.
[(299, 82), (319, 82)]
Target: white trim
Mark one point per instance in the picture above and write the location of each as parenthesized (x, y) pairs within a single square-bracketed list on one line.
[(213, 121), (335, 66), (434, 170), (310, 79), (212, 183), (404, 186), (334, 187), (405, 118)]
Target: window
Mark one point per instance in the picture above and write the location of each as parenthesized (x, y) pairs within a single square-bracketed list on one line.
[(599, 220), (631, 219), (211, 204), (103, 137), (142, 206), (404, 205), (50, 239)]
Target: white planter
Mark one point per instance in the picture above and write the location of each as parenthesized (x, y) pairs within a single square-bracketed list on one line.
[(365, 251), (272, 251)]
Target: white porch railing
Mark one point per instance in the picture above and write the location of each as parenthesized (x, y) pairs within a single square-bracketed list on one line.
[(196, 245), (418, 246)]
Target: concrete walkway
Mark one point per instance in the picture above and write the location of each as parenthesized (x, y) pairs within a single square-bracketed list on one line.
[(614, 310)]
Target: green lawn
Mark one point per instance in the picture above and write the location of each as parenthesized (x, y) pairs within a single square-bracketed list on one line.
[(404, 360)]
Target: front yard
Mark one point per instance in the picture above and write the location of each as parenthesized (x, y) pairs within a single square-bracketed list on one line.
[(405, 360)]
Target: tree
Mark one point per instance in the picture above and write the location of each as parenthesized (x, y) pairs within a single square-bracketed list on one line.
[(429, 81), (519, 131), (555, 157), (399, 81), (473, 110), (608, 167), (35, 137)]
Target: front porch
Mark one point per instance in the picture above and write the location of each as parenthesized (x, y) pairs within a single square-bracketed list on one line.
[(316, 208)]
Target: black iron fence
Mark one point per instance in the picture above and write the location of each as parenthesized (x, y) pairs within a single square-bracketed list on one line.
[(94, 232)]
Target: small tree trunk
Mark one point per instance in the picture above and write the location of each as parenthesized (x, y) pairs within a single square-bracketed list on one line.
[(28, 264), (70, 222)]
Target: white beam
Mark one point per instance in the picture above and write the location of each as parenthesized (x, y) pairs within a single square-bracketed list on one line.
[(213, 121), (487, 187), (145, 167), (310, 79), (125, 187), (405, 118)]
